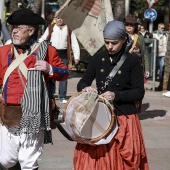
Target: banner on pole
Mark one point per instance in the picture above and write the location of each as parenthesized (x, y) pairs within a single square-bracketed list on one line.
[(87, 18)]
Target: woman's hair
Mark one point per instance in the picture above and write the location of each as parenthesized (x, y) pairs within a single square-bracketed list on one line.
[(136, 29), (161, 24), (142, 26)]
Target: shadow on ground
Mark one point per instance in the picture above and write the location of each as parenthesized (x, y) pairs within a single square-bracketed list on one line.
[(146, 114)]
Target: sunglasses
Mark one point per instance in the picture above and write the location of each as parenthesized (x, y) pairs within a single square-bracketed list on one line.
[(129, 24)]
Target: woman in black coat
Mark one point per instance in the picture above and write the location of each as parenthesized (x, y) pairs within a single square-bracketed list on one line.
[(126, 150)]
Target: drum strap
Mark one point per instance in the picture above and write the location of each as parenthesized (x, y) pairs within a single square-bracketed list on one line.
[(64, 132), (114, 71), (119, 64)]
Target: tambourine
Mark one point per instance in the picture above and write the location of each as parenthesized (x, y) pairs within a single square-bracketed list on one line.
[(90, 118)]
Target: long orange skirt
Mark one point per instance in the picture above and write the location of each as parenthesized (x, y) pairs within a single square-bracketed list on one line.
[(126, 151)]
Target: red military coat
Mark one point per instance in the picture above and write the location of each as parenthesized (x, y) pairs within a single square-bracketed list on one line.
[(13, 89)]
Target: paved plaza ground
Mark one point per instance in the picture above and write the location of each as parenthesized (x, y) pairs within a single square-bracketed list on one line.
[(155, 120)]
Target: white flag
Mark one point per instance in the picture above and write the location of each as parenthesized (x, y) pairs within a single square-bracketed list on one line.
[(87, 19)]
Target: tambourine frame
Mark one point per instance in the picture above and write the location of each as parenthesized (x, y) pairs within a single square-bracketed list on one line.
[(102, 100)]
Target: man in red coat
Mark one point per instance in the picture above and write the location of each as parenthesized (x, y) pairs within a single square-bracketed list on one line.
[(22, 128)]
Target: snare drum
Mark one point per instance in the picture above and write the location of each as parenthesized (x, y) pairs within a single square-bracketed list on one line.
[(90, 118)]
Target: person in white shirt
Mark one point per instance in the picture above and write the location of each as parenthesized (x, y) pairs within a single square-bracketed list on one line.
[(162, 38), (59, 38)]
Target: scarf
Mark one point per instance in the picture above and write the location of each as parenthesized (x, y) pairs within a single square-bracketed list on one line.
[(35, 100)]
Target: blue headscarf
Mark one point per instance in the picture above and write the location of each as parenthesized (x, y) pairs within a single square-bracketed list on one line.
[(115, 30)]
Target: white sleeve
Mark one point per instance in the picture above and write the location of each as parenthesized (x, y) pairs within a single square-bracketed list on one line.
[(75, 46), (44, 36), (51, 71)]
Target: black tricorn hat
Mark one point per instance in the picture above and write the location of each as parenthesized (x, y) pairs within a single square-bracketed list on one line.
[(26, 17)]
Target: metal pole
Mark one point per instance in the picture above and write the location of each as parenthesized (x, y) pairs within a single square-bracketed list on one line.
[(154, 63), (151, 27), (126, 7), (43, 9), (2, 10), (43, 14), (1, 15)]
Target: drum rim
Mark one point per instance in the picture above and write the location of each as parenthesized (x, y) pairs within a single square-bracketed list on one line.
[(100, 99), (68, 101)]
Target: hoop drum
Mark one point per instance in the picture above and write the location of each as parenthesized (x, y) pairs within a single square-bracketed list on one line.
[(90, 118)]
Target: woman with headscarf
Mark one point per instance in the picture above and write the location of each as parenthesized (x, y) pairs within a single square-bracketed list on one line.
[(126, 149)]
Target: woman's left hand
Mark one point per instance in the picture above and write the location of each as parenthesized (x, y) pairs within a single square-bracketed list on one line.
[(108, 95)]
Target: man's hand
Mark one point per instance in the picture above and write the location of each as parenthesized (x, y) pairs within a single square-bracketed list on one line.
[(42, 66)]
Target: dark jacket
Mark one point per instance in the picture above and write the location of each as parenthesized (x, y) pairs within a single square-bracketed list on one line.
[(144, 53), (127, 84), (146, 34)]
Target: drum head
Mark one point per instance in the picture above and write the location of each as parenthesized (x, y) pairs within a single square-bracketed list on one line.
[(98, 122), (88, 117)]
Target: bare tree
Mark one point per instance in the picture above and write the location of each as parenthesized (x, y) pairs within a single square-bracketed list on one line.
[(13, 5), (166, 13), (119, 9), (37, 6), (167, 66), (167, 56)]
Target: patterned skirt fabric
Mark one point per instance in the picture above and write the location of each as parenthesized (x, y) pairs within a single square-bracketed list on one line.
[(126, 151)]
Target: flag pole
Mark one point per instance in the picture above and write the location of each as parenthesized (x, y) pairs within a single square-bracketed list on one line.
[(126, 7)]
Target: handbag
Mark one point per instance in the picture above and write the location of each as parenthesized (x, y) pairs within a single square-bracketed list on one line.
[(56, 118), (10, 115)]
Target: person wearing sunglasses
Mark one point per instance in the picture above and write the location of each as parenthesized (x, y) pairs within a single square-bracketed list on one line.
[(144, 32), (138, 47), (131, 25), (26, 68)]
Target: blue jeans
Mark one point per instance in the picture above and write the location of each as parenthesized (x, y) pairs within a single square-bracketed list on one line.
[(160, 66), (63, 84)]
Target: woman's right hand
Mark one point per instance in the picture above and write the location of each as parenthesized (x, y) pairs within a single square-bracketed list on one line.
[(90, 89)]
